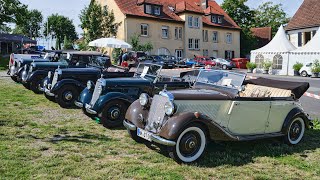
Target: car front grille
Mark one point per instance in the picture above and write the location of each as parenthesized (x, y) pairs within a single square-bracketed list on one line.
[(96, 94), (156, 113), (54, 80)]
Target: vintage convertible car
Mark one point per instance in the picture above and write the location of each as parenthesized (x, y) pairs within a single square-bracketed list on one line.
[(108, 101), (65, 85), (33, 75), (221, 106)]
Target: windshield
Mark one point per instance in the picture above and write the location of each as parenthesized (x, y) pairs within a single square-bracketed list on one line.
[(225, 79), (148, 70)]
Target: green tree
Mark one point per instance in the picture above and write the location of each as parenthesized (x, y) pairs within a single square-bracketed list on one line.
[(31, 24), (270, 15), (60, 27), (67, 44), (109, 26), (11, 11), (244, 17), (136, 46)]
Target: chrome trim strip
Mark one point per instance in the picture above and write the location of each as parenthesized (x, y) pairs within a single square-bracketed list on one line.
[(78, 104), (90, 111), (162, 141), (129, 126), (47, 91)]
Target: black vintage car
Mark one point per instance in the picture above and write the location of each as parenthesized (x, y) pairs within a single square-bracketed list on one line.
[(33, 75), (108, 100), (164, 61), (65, 85)]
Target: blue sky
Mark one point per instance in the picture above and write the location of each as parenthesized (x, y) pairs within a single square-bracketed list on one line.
[(72, 8)]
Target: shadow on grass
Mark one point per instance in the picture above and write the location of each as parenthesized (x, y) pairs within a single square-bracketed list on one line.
[(242, 153), (86, 138)]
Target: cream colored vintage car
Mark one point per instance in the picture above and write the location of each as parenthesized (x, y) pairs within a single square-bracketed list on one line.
[(221, 106)]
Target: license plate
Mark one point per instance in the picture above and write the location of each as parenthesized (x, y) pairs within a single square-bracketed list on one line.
[(144, 134)]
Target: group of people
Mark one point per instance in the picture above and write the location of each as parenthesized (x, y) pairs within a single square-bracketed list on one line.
[(127, 59)]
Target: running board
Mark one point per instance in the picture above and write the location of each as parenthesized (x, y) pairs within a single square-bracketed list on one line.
[(261, 136)]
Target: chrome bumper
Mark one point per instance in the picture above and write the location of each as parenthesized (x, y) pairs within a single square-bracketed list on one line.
[(154, 138), (89, 110), (78, 104), (47, 91)]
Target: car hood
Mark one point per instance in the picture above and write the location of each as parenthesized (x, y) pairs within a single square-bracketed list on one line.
[(200, 94), (28, 61), (90, 70), (130, 81), (49, 64)]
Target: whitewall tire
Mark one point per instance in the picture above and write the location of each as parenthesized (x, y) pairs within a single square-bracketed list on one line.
[(295, 131)]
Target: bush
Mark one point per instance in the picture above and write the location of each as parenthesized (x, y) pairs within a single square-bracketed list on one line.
[(266, 64), (297, 66), (251, 65), (4, 63), (315, 67)]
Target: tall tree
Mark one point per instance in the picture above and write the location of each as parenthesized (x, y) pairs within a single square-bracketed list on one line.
[(60, 27), (244, 17), (11, 11), (270, 15), (31, 24), (109, 26)]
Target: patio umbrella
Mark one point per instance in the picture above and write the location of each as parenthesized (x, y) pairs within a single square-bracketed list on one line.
[(110, 42)]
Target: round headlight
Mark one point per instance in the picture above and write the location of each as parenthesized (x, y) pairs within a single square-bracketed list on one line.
[(49, 74), (169, 108), (89, 85), (144, 99)]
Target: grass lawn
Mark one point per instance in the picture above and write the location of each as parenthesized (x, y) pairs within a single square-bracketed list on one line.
[(39, 140)]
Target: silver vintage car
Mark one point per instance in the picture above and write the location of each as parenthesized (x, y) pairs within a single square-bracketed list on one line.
[(221, 106)]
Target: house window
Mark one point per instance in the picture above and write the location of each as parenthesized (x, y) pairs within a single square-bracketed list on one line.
[(178, 33), (197, 44), (196, 22), (148, 9), (259, 60), (190, 19), (277, 61), (205, 52), (219, 19), (215, 36), (229, 38), (229, 54), (214, 19), (205, 35), (144, 29), (157, 10), (165, 32), (190, 43)]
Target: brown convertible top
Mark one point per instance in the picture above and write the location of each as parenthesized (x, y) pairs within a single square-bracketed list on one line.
[(297, 88)]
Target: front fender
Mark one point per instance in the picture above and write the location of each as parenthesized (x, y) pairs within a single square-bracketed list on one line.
[(176, 124), (294, 112), (19, 71), (133, 114), (64, 82), (85, 96), (109, 97), (37, 73)]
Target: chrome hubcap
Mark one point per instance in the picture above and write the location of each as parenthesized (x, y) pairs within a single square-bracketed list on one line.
[(68, 96), (295, 131), (114, 113), (190, 144)]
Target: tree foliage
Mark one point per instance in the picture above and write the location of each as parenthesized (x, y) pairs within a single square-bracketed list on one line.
[(30, 25), (270, 15), (136, 46), (98, 22), (11, 11), (60, 27)]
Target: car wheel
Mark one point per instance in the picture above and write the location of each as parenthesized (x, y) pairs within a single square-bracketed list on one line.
[(66, 96), (26, 85), (190, 144), (295, 131), (113, 114), (50, 98), (304, 74), (15, 79), (224, 67), (35, 85), (135, 137)]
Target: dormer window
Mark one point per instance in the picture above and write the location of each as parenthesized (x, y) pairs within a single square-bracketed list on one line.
[(152, 9), (219, 19), (213, 18)]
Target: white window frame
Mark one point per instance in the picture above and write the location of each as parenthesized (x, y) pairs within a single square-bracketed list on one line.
[(162, 31), (157, 10), (219, 19), (213, 19), (178, 32), (190, 42), (229, 38), (215, 36), (190, 21), (196, 22), (205, 35), (142, 30), (148, 9), (196, 44)]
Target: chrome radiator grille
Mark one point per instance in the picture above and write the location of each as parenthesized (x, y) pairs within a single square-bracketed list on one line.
[(156, 113), (54, 80), (95, 95)]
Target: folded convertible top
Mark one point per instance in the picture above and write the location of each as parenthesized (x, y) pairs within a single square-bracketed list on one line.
[(297, 88)]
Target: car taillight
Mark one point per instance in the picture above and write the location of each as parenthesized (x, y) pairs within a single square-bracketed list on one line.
[(11, 58)]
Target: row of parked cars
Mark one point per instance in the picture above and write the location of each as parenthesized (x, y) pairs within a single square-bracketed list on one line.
[(178, 114)]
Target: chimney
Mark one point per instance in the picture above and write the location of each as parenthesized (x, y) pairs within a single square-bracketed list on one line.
[(204, 4)]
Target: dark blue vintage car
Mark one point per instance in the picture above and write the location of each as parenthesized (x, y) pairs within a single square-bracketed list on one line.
[(107, 101), (33, 75), (65, 85)]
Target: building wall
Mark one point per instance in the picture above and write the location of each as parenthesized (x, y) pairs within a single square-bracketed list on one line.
[(293, 35)]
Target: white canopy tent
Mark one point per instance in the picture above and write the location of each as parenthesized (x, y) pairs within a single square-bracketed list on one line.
[(306, 54), (277, 51), (110, 42)]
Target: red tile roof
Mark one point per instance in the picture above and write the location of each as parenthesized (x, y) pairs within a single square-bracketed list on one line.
[(263, 35), (171, 9), (308, 15)]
